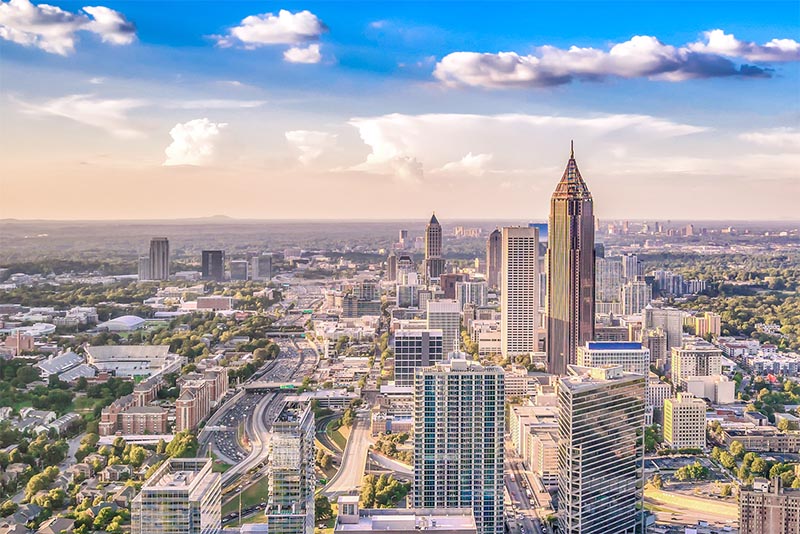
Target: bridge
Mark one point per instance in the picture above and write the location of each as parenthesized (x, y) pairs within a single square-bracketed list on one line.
[(269, 387)]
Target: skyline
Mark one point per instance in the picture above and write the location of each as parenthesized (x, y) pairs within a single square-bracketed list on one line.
[(296, 110)]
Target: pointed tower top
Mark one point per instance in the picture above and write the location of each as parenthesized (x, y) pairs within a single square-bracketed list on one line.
[(434, 220), (572, 184)]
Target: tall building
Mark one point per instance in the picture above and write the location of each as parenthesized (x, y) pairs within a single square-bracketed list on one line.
[(213, 265), (143, 268), (669, 319), (476, 293), (774, 511), (391, 267), (655, 339), (459, 427), (570, 270), (261, 267), (448, 281), (707, 323), (159, 258), (685, 422), (494, 258), (600, 451), (632, 357), (608, 279), (445, 315), (434, 262), (290, 498), (631, 267), (519, 295), (636, 295), (181, 497), (414, 349), (696, 357), (239, 269)]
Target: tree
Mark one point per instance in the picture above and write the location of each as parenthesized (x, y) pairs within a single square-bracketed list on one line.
[(727, 460), (725, 491), (759, 467), (737, 449), (322, 508), (784, 425)]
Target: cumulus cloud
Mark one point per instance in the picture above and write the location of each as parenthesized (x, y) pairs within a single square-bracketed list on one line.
[(642, 56), (401, 145), (780, 138), (725, 44), (299, 54), (268, 29), (54, 30), (311, 144), (110, 115), (193, 142), (473, 165)]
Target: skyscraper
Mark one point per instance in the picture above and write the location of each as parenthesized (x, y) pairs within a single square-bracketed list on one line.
[(434, 263), (181, 497), (414, 349), (213, 265), (570, 269), (261, 267), (636, 295), (159, 258), (494, 258), (290, 500), (459, 424), (239, 269), (445, 315), (600, 450), (519, 320), (391, 267)]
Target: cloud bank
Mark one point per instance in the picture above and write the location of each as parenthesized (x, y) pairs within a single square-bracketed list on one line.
[(54, 30)]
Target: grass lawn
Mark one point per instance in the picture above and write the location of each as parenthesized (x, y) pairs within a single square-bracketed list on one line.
[(336, 435), (84, 404), (255, 494), (219, 466)]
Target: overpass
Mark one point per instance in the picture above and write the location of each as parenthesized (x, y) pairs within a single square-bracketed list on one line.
[(269, 387)]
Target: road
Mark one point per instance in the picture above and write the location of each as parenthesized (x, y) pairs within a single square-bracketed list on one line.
[(516, 482), (354, 460)]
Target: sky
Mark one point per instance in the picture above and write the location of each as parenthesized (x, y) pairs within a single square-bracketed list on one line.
[(345, 110)]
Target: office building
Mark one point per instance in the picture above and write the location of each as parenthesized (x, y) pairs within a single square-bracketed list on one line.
[(632, 357), (774, 511), (476, 293), (696, 357), (570, 270), (600, 451), (352, 519), (707, 323), (718, 389), (261, 267), (685, 422), (445, 315), (213, 265), (434, 262), (414, 349), (448, 281), (494, 258), (181, 497), (159, 258), (608, 279), (459, 426), (143, 268), (636, 295), (631, 267), (239, 269), (670, 320), (290, 498), (519, 295), (391, 267), (656, 392), (655, 340)]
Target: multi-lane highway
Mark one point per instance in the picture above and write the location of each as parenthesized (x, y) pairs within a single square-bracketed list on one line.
[(354, 459)]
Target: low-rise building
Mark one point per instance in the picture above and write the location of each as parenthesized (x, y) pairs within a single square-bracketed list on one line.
[(352, 519)]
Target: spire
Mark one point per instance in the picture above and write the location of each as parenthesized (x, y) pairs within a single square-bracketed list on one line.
[(572, 184), (434, 220)]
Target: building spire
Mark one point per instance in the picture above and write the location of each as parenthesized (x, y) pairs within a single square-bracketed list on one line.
[(571, 149)]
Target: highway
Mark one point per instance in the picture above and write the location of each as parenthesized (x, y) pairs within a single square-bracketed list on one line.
[(354, 459)]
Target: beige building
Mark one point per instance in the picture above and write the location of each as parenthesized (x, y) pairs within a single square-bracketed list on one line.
[(707, 323), (719, 389), (401, 520), (695, 357), (685, 422), (519, 296), (775, 511)]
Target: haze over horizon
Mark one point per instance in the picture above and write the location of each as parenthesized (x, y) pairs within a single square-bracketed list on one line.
[(306, 111)]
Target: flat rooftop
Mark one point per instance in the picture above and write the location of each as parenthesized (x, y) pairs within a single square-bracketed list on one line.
[(409, 520), (175, 479)]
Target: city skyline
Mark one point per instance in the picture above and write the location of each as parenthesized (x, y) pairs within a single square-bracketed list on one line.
[(464, 113)]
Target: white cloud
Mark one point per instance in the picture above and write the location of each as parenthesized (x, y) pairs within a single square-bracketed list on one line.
[(780, 138), (473, 165), (311, 144), (642, 56), (214, 103), (54, 30), (269, 29), (725, 44), (401, 144), (193, 142), (299, 54), (108, 114)]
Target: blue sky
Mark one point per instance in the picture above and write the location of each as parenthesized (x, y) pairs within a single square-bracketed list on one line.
[(425, 105)]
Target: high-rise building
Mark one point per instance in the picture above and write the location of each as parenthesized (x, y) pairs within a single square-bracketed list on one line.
[(655, 339), (632, 357), (519, 295), (143, 269), (459, 427), (494, 258), (774, 511), (636, 295), (239, 269), (707, 323), (183, 496), (213, 265), (414, 349), (261, 267), (448, 281), (696, 357), (391, 267), (669, 319), (608, 279), (685, 422), (159, 258), (570, 270), (631, 267), (600, 451), (445, 315), (434, 262), (476, 293), (290, 498), (402, 238)]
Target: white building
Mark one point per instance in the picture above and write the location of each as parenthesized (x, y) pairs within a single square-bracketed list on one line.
[(476, 293), (685, 422), (445, 315), (519, 322), (695, 357), (719, 389), (636, 295), (669, 319), (633, 357)]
